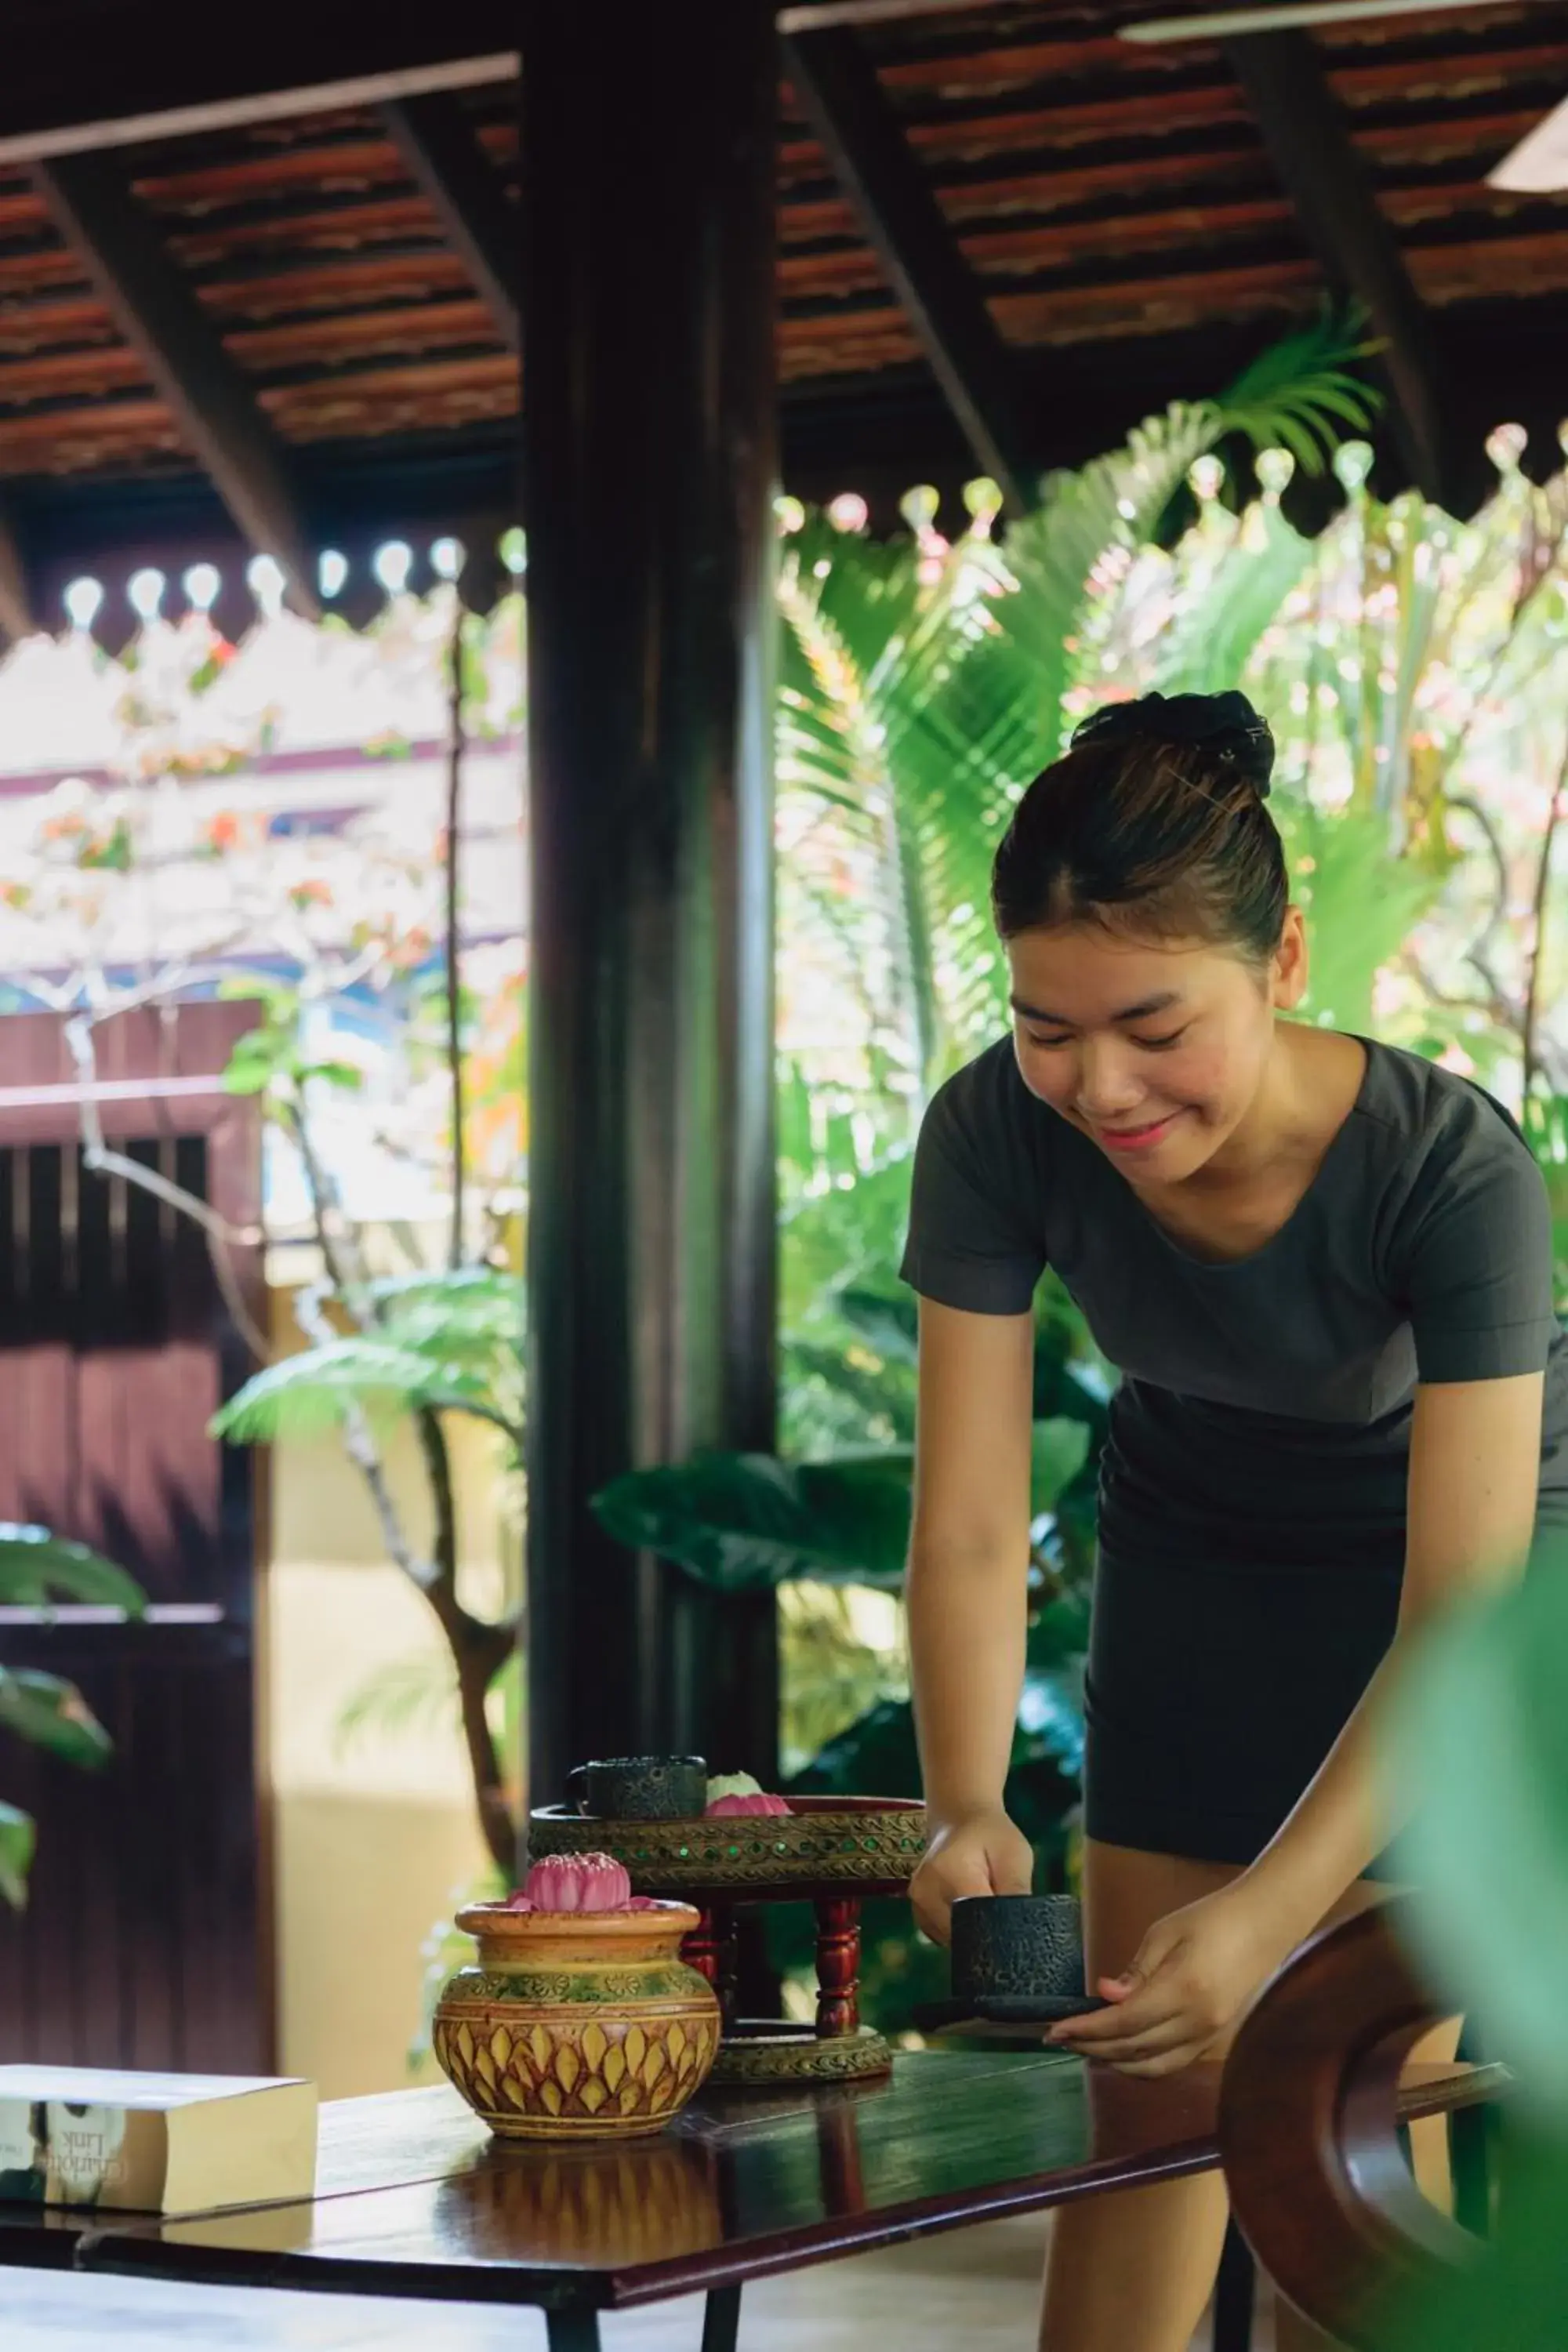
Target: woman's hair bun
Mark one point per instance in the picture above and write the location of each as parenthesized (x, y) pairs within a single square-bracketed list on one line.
[(1226, 725)]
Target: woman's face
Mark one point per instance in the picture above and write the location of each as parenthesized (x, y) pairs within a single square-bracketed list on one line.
[(1155, 1049)]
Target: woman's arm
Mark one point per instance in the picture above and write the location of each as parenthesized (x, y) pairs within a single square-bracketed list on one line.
[(967, 1598), (1475, 1471)]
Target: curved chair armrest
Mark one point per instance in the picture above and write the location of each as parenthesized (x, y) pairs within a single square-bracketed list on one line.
[(1310, 2129)]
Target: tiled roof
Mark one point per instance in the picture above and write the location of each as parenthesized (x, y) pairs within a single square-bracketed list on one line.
[(1116, 203)]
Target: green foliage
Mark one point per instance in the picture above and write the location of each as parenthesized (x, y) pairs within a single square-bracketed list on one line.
[(470, 1320), (919, 690), (17, 1838), (270, 1055), (308, 1395), (1300, 393), (832, 1673), (1478, 1753), (52, 1713), (1545, 1122), (1361, 901), (1237, 592), (443, 1342), (37, 1568), (743, 1521)]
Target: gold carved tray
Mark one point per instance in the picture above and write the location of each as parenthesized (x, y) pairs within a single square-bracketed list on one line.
[(866, 1845)]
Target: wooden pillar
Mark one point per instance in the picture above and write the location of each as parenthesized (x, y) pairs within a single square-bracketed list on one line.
[(648, 444)]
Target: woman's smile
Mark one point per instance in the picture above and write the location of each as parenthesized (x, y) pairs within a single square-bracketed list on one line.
[(1144, 1138)]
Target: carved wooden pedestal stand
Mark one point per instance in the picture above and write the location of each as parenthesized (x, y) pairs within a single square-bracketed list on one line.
[(837, 2047), (833, 1852)]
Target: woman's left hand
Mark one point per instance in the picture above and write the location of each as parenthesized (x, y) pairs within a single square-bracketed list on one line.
[(1195, 1973)]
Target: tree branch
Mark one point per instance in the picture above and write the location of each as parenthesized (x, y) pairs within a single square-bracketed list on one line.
[(454, 961), (221, 1236), (479, 1651)]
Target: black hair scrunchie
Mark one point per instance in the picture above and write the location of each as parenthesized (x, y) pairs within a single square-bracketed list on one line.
[(1227, 722)]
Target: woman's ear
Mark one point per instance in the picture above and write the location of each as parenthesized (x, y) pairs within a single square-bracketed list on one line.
[(1291, 969)]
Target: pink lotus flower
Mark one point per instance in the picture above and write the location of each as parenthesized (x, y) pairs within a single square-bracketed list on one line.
[(760, 1802), (578, 1882)]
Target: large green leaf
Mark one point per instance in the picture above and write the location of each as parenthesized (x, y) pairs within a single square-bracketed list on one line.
[(1477, 1752), (37, 1567), (1514, 2294), (744, 1521), (52, 1713), (16, 1842), (307, 1395), (1476, 1749)]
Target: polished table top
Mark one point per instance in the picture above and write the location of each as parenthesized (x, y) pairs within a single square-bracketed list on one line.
[(414, 2198)]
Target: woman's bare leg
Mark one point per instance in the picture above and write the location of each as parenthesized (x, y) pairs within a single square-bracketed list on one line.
[(1132, 2273)]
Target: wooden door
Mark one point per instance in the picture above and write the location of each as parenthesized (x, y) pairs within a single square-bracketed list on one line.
[(146, 1940)]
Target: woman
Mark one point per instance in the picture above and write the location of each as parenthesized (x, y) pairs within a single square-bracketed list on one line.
[(1323, 1269)]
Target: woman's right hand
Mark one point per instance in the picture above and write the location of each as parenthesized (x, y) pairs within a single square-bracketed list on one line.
[(981, 1853)]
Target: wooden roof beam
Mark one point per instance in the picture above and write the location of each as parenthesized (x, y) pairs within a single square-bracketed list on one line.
[(86, 86), (1308, 137), (469, 199), (837, 89), (158, 313)]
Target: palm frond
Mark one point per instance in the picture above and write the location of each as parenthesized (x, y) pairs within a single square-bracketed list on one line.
[(1301, 393), (472, 1320), (413, 1692), (1218, 629), (308, 1395)]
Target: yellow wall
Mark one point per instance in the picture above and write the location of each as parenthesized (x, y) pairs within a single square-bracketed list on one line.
[(373, 1835)]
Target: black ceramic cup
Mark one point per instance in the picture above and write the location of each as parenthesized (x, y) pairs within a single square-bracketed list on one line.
[(1018, 1955), (640, 1788)]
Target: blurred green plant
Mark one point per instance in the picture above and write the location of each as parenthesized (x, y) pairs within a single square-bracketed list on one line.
[(1545, 1124), (37, 1571), (1476, 1753)]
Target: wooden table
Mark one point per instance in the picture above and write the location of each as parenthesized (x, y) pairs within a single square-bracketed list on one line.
[(415, 2198)]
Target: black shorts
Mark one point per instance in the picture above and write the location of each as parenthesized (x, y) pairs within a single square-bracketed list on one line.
[(1214, 1695)]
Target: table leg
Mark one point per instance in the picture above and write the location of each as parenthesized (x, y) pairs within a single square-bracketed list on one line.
[(572, 2331), (722, 2320), (838, 1969), (700, 1950), (727, 1954)]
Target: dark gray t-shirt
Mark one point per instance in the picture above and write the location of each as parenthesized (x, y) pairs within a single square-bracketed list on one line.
[(1264, 1410)]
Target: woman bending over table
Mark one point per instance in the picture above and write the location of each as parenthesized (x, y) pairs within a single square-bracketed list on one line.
[(1323, 1269)]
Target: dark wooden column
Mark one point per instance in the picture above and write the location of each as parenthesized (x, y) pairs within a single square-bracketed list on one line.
[(648, 474)]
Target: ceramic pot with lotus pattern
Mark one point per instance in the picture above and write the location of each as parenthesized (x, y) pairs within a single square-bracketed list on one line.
[(579, 2019)]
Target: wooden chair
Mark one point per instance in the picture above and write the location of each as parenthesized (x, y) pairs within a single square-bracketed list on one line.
[(1313, 2154)]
